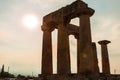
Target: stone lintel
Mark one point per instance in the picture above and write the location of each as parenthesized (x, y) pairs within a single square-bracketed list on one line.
[(65, 14), (72, 29)]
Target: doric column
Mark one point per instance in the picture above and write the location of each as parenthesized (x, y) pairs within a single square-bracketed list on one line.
[(47, 67), (63, 52), (96, 68), (105, 57), (84, 54)]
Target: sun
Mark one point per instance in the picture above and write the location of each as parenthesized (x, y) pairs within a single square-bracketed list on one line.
[(30, 21)]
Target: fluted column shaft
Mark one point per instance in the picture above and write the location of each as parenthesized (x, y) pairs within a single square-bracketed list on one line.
[(63, 52), (105, 57), (47, 67), (84, 54), (105, 60), (96, 68)]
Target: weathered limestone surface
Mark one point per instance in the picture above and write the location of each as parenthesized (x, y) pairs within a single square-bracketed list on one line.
[(47, 67), (105, 57), (63, 52), (85, 57), (94, 52), (79, 77), (87, 63), (63, 77), (72, 29)]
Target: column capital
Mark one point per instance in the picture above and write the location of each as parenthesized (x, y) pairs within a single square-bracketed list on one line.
[(47, 28), (47, 65), (87, 11), (104, 42)]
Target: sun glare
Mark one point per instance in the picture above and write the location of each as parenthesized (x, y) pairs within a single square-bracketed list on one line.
[(30, 21)]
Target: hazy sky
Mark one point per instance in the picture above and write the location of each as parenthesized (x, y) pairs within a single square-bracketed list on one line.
[(21, 47)]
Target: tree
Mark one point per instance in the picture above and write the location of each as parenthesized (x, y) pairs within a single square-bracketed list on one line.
[(2, 71), (4, 74)]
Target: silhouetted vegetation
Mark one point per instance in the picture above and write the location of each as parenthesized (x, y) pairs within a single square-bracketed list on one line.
[(4, 74), (21, 76)]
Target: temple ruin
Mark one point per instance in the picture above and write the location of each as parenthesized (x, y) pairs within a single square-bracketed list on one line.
[(87, 61)]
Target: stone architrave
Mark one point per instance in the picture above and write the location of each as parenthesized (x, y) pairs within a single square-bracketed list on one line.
[(47, 67), (63, 52), (85, 60), (105, 57), (96, 68)]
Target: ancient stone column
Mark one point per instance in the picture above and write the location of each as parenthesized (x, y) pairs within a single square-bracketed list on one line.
[(96, 68), (105, 57), (47, 67), (84, 54), (63, 52)]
